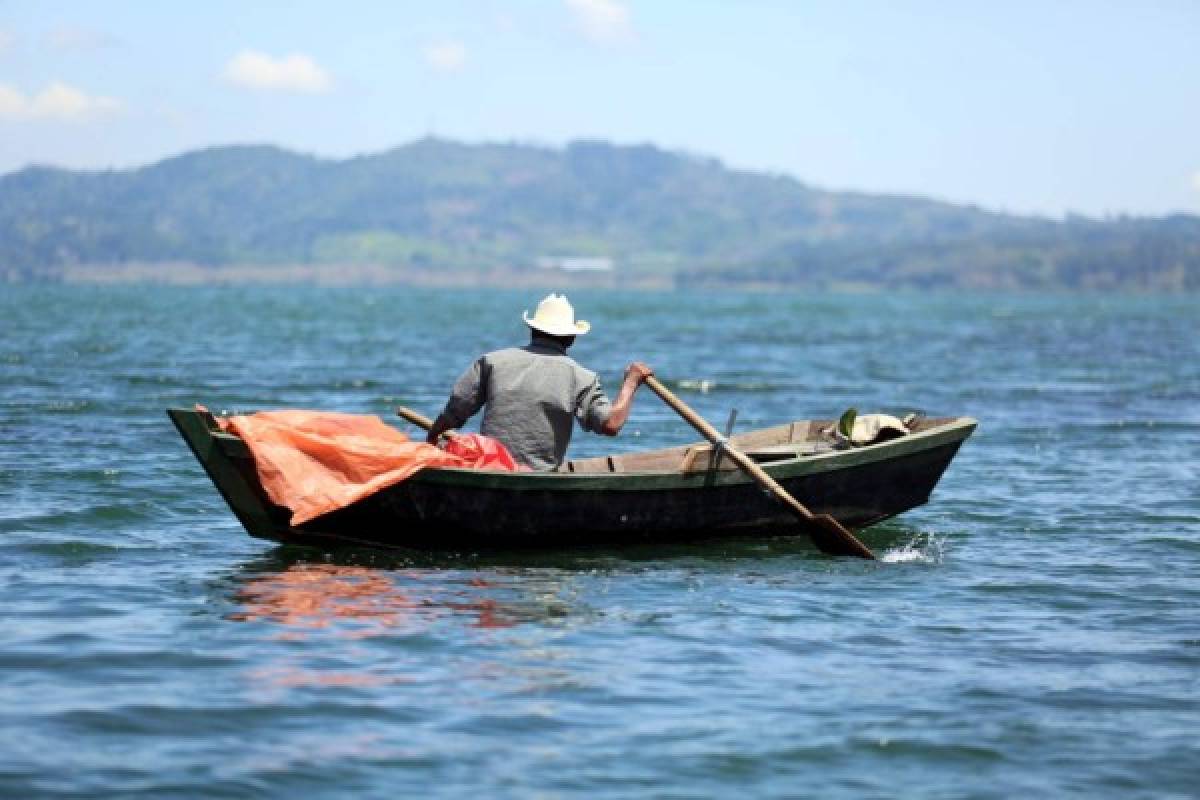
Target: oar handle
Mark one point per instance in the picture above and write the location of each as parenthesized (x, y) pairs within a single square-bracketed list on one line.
[(843, 541), (684, 410), (420, 420)]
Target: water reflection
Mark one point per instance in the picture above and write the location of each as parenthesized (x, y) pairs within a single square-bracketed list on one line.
[(302, 597), (307, 597), (361, 602)]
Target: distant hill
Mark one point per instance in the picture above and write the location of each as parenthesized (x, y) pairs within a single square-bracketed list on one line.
[(437, 207)]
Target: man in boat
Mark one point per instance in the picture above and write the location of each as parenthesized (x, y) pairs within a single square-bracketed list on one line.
[(530, 394)]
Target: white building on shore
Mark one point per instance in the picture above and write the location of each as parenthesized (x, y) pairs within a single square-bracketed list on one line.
[(576, 263)]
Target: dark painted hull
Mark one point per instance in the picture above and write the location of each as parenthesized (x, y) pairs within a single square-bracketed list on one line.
[(456, 509)]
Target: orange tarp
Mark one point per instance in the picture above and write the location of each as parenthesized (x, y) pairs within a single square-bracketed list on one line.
[(314, 462)]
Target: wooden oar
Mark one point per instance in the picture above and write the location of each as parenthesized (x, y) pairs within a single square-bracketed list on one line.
[(829, 535), (420, 420)]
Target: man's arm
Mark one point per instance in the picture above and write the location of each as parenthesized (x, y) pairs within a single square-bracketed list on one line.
[(635, 375), (466, 398)]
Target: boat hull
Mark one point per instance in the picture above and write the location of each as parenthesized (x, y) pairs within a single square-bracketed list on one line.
[(452, 509)]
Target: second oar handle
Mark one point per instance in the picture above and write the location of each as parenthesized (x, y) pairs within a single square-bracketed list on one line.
[(420, 420)]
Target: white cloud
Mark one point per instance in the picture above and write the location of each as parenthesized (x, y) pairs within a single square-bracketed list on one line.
[(446, 56), (294, 73), (66, 102), (12, 102), (69, 38), (605, 21), (58, 101)]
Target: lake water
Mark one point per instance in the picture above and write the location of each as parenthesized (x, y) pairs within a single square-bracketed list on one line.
[(1035, 629)]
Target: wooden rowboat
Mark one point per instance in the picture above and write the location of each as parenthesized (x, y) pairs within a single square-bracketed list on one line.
[(673, 494)]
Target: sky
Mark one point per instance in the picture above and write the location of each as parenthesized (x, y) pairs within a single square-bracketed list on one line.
[(1028, 107)]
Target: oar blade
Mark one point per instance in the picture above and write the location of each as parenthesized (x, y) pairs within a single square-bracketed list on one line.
[(832, 538)]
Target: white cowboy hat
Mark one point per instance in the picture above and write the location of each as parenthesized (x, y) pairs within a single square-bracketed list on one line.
[(556, 316)]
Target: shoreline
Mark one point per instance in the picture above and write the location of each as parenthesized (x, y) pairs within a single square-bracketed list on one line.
[(187, 274), (348, 275)]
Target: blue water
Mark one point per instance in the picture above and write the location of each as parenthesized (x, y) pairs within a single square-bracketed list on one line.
[(1035, 629)]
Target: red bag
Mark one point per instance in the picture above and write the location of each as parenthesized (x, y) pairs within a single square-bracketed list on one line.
[(482, 452)]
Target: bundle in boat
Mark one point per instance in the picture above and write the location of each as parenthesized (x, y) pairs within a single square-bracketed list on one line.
[(316, 462)]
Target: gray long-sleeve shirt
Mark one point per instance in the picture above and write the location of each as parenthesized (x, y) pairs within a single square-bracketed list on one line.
[(531, 394)]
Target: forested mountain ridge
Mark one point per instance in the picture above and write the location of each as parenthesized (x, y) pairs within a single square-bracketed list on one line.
[(452, 208)]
